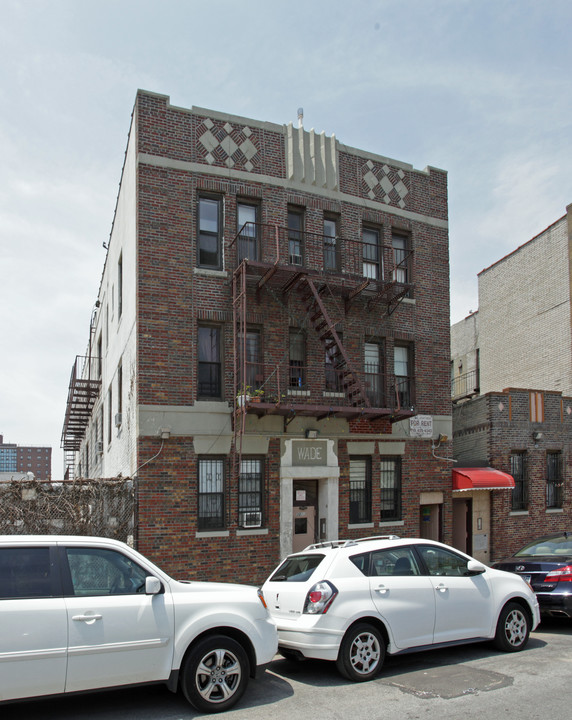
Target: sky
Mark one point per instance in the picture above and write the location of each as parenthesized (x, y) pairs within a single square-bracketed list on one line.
[(479, 88)]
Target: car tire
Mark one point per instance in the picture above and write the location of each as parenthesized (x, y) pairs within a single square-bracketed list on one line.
[(215, 674), (513, 628), (362, 653)]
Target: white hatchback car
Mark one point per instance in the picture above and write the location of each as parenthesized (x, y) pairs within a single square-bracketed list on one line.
[(80, 613), (353, 601)]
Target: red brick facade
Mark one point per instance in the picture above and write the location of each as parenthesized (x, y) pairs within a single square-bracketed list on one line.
[(185, 154)]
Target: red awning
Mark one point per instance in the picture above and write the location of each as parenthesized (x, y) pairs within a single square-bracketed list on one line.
[(481, 479)]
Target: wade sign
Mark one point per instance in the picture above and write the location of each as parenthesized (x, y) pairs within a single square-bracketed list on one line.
[(309, 453)]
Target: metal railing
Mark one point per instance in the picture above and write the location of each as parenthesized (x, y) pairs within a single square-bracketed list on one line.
[(465, 385)]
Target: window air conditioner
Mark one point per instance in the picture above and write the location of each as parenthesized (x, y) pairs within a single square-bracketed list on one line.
[(251, 519), (295, 260), (118, 419), (99, 447)]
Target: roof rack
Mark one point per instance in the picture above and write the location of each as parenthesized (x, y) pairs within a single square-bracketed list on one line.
[(349, 543)]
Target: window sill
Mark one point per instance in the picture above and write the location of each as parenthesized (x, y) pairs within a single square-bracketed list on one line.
[(299, 393), (553, 511), (253, 531), (206, 272), (391, 523), (212, 533), (329, 394), (358, 526), (518, 513)]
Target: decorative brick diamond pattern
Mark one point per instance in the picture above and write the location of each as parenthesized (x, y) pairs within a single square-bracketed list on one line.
[(385, 183), (227, 145)]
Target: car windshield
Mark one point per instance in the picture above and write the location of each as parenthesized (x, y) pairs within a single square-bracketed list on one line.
[(297, 568), (555, 545)]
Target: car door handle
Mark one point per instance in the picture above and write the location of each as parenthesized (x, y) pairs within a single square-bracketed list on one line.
[(87, 618), (441, 588), (381, 589)]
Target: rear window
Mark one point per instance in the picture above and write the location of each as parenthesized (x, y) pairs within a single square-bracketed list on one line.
[(297, 568), (25, 572), (547, 546)]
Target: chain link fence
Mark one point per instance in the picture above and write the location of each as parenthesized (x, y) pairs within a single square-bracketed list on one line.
[(106, 508)]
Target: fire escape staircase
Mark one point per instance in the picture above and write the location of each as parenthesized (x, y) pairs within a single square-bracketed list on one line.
[(325, 329)]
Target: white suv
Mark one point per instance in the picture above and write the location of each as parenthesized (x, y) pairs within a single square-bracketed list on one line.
[(353, 601), (81, 613)]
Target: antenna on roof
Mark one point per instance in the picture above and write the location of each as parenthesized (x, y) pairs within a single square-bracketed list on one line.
[(300, 117)]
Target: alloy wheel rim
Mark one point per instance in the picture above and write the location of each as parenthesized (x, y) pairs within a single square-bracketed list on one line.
[(515, 627), (218, 675), (365, 653)]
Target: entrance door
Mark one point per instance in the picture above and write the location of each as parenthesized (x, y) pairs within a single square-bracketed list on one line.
[(430, 522), (305, 507), (463, 525)]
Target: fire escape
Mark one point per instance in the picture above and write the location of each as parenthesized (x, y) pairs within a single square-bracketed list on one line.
[(84, 388), (321, 286)]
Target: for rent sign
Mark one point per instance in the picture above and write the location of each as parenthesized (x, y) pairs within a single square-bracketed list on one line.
[(421, 426)]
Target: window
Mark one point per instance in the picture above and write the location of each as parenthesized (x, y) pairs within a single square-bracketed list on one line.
[(109, 414), (120, 388), (390, 480), (518, 471), (295, 235), (373, 377), (554, 481), (334, 364), (120, 286), (443, 562), (536, 407), (371, 254), (395, 561), (209, 250), (253, 358), (297, 342), (400, 254), (96, 571), (250, 483), (210, 369), (99, 357), (248, 232), (360, 490), (331, 261), (25, 573), (211, 494), (401, 366)]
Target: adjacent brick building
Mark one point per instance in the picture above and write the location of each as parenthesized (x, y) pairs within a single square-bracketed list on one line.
[(26, 459), (272, 322), (520, 337)]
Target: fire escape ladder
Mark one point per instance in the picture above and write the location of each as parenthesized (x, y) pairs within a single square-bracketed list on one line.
[(239, 360), (325, 329)]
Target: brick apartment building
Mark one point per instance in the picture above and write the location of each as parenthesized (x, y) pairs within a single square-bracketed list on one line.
[(26, 459), (511, 371), (272, 322)]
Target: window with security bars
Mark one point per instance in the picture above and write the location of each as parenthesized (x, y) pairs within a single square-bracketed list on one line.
[(360, 490), (554, 480), (297, 359), (518, 472), (250, 486), (211, 494), (390, 483)]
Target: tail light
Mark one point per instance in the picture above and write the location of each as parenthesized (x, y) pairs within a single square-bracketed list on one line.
[(563, 574), (319, 598)]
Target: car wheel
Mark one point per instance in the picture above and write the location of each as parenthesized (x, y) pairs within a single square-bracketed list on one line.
[(362, 653), (513, 628), (215, 674)]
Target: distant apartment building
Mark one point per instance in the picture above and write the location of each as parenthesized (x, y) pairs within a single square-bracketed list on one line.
[(26, 459), (511, 385), (272, 322)]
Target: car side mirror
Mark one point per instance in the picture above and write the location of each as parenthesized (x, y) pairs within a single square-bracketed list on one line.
[(474, 567), (153, 586)]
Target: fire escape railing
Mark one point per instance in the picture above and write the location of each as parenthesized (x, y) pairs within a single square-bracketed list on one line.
[(84, 388), (465, 386)]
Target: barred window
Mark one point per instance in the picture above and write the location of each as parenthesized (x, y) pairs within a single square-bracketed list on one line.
[(250, 487), (360, 490), (519, 473), (211, 494), (554, 482), (390, 499)]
